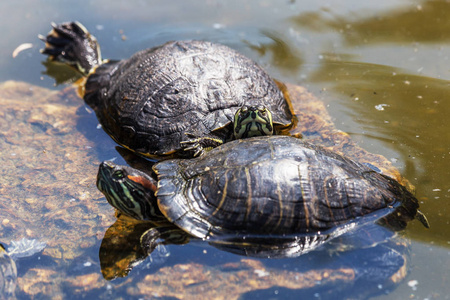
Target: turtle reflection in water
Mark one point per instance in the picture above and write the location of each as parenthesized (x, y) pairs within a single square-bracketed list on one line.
[(271, 197), (179, 96)]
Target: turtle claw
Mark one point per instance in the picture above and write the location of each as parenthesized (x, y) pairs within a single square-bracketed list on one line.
[(422, 218), (200, 144), (41, 37), (72, 44), (70, 30), (199, 151), (193, 145)]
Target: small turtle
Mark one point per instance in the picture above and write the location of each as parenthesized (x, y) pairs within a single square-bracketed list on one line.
[(180, 95), (263, 186), (272, 197)]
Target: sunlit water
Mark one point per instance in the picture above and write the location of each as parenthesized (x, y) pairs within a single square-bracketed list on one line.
[(381, 68)]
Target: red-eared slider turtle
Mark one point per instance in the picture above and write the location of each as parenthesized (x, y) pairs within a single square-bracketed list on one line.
[(269, 197), (181, 95), (262, 186)]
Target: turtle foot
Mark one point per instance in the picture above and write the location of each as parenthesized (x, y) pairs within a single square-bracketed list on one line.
[(199, 145), (72, 44)]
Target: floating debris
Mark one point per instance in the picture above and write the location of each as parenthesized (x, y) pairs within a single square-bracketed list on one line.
[(381, 107), (261, 272), (218, 26), (20, 48), (413, 284)]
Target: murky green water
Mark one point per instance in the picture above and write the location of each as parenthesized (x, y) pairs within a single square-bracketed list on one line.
[(382, 69)]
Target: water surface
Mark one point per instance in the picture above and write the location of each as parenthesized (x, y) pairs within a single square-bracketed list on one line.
[(381, 68)]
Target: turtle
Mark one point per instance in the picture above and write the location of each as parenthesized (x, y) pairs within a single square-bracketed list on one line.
[(177, 98), (260, 188), (350, 215)]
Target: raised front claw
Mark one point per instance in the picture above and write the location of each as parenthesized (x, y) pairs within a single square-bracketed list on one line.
[(72, 44), (61, 38)]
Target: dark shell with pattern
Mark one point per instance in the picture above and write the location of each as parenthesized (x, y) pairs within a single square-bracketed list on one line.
[(272, 185), (149, 102)]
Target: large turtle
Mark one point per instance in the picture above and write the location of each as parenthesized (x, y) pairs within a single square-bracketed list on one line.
[(259, 187), (180, 95)]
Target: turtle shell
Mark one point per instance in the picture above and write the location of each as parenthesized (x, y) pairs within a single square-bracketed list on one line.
[(149, 102), (271, 185)]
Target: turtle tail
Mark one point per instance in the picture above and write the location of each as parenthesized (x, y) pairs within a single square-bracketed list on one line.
[(72, 44)]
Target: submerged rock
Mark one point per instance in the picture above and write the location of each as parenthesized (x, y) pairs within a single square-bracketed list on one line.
[(49, 164)]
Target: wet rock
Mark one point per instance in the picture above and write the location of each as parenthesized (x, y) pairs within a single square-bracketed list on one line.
[(194, 281), (47, 192), (41, 283), (47, 180)]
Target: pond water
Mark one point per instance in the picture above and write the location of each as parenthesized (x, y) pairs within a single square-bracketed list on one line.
[(381, 68)]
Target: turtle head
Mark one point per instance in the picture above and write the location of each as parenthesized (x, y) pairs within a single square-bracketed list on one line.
[(252, 121), (130, 191)]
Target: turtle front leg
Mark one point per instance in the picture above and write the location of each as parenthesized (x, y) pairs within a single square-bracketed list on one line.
[(71, 43), (201, 144)]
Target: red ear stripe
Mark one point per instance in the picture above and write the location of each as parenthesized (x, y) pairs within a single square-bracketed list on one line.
[(143, 181)]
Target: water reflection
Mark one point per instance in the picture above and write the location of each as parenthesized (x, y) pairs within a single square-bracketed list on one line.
[(425, 22), (283, 55), (358, 264), (122, 248), (60, 73), (404, 112)]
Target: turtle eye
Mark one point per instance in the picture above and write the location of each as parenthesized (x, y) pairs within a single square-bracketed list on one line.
[(118, 174)]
